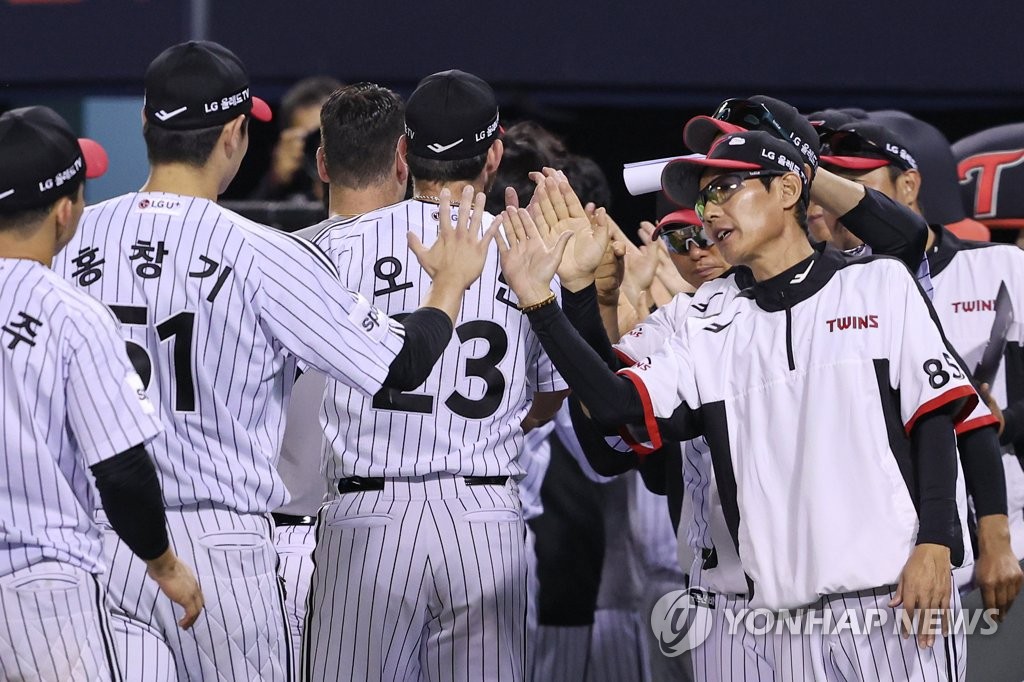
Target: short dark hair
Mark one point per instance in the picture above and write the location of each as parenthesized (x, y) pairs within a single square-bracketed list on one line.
[(529, 147), (360, 126), (21, 219), (434, 170), (190, 147), (307, 92), (16, 220)]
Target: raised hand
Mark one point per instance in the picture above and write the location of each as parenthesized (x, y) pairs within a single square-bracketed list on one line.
[(555, 209), (608, 276), (457, 257), (666, 272), (527, 260)]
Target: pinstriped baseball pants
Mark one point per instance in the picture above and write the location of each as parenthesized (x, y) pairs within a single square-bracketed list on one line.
[(424, 580), (55, 626), (242, 632)]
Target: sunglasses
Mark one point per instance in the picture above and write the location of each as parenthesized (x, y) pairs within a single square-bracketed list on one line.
[(849, 143), (679, 238), (750, 115), (724, 187)]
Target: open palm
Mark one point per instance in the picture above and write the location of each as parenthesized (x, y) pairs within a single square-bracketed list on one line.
[(527, 261), (555, 209)]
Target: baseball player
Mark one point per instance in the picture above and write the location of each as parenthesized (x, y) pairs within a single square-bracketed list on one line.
[(73, 410), (419, 568), (360, 126), (772, 352), (716, 580), (218, 312), (879, 157)]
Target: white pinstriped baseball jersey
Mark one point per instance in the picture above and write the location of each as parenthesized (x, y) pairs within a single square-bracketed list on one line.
[(217, 310), (71, 399), (774, 363), (465, 418)]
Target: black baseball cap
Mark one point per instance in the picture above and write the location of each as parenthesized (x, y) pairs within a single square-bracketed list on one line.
[(199, 84), (863, 146), (827, 120), (759, 112), (451, 115), (41, 160), (751, 150)]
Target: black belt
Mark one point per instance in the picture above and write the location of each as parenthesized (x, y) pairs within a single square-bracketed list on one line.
[(359, 484), (292, 520)]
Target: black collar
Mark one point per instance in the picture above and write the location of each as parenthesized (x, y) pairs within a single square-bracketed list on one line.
[(945, 247), (794, 285)]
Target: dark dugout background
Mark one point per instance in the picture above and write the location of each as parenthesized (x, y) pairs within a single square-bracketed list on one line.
[(617, 80)]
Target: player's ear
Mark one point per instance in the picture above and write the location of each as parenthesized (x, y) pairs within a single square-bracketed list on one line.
[(321, 165), (65, 218), (908, 187), (790, 189), (401, 163), (494, 155), (402, 150), (234, 135)]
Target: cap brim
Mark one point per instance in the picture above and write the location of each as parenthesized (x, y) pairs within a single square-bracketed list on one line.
[(701, 132), (854, 162), (96, 159), (684, 216), (680, 180), (261, 110)]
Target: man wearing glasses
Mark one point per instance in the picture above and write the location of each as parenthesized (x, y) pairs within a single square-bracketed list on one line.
[(829, 515)]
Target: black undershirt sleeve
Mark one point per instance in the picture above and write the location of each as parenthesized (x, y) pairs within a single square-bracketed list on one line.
[(427, 333), (582, 310), (889, 228), (982, 462), (603, 458), (612, 400), (131, 497), (933, 453)]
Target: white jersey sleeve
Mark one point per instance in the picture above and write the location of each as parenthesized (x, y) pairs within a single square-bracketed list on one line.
[(107, 409), (924, 368), (326, 325), (665, 380), (648, 336)]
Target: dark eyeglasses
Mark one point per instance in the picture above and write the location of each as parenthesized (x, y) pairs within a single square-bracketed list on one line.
[(724, 187), (679, 238), (850, 143)]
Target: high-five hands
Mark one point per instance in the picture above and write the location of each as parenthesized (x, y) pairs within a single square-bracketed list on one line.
[(556, 209), (529, 255), (457, 258)]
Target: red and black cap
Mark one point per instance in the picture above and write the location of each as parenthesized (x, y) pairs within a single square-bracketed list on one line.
[(863, 146), (759, 112), (747, 151), (684, 217), (451, 115), (199, 84), (41, 160)]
